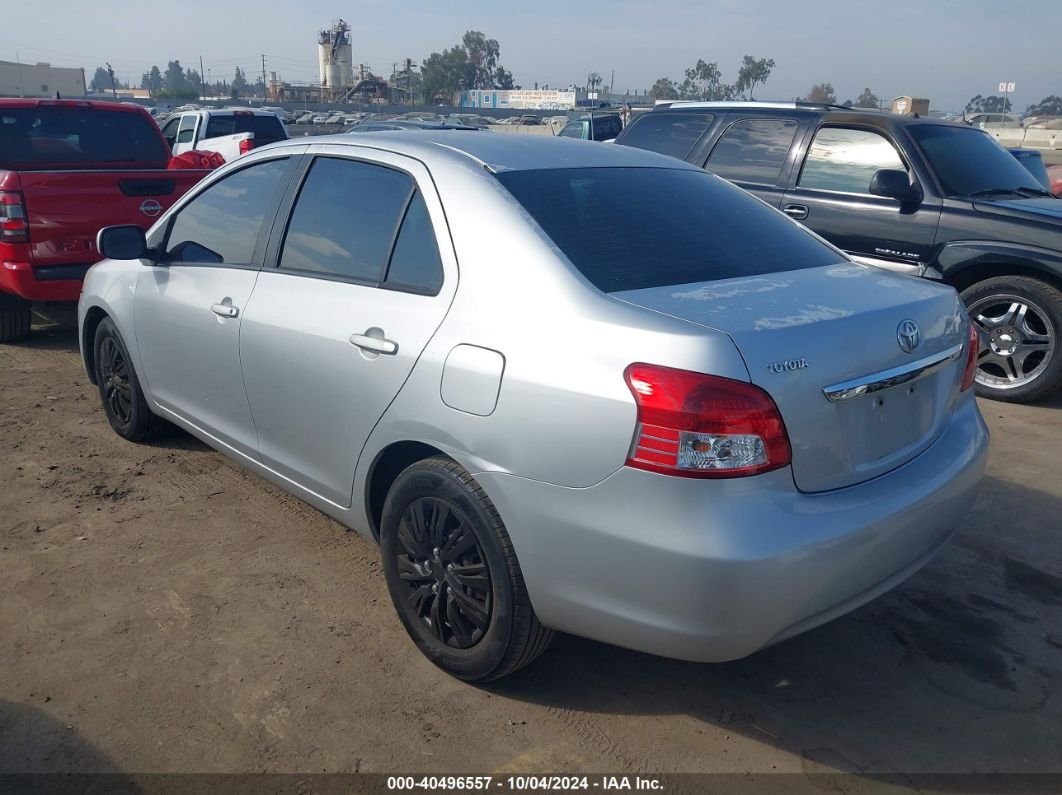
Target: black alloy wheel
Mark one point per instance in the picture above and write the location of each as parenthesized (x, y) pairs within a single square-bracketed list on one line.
[(114, 381), (123, 400), (445, 572), (453, 576)]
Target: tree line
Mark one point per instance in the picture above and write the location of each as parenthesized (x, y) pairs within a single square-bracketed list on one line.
[(704, 81), (176, 82)]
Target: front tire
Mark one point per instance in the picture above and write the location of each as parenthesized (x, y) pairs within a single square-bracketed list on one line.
[(453, 576), (123, 399), (16, 316), (1020, 319)]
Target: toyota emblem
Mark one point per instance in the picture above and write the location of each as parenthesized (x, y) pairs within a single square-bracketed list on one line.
[(908, 335), (150, 208)]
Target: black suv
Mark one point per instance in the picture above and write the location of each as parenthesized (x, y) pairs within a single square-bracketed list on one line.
[(921, 196)]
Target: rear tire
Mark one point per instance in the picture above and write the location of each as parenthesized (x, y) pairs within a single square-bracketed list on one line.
[(453, 576), (1020, 319), (123, 399), (15, 318)]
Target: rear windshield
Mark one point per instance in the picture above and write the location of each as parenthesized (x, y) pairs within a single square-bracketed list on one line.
[(63, 137), (634, 228), (266, 128)]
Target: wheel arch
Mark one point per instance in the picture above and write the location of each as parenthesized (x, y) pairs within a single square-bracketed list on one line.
[(965, 263), (93, 317), (387, 465)]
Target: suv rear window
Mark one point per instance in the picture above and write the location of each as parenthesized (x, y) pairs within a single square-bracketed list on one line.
[(634, 228), (65, 136), (668, 133), (267, 128)]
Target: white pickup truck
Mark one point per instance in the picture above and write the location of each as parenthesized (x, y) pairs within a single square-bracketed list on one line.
[(230, 132)]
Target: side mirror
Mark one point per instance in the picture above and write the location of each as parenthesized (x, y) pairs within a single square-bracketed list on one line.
[(893, 183), (122, 242)]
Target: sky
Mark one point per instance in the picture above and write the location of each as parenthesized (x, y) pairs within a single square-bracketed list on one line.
[(947, 50)]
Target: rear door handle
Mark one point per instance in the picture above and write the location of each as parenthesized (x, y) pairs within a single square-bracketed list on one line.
[(225, 310), (796, 211), (374, 342)]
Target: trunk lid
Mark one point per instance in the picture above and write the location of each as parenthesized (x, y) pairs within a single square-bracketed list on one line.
[(837, 328)]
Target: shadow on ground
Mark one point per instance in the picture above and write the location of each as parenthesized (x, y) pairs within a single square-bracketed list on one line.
[(33, 742)]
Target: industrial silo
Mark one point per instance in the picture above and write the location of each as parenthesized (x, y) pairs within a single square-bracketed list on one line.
[(336, 56)]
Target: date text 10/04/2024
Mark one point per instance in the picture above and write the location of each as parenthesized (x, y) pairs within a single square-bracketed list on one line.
[(521, 783)]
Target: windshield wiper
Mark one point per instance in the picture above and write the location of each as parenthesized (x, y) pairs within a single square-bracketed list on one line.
[(978, 194), (1021, 190), (1024, 191)]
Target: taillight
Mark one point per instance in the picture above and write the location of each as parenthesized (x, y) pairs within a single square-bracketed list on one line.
[(704, 426), (246, 145), (13, 225), (973, 347)]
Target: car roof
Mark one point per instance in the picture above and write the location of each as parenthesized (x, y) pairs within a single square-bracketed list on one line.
[(840, 111), (499, 152), (11, 102)]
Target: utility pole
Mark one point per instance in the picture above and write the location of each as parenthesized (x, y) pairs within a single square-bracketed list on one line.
[(19, 61), (409, 79), (114, 90), (265, 91), (202, 77)]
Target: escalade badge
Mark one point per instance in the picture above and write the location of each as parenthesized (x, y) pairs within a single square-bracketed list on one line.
[(908, 336), (787, 365), (150, 208)]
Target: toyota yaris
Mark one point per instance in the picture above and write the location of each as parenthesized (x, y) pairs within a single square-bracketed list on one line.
[(564, 386)]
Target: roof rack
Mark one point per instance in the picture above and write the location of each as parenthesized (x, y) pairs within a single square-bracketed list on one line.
[(797, 105)]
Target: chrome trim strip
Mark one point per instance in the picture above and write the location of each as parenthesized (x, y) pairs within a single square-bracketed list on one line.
[(896, 266), (903, 374)]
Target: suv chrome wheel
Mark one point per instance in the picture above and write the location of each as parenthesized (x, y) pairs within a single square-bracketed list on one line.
[(1017, 341)]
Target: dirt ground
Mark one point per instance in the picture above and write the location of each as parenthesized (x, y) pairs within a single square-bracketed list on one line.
[(161, 610)]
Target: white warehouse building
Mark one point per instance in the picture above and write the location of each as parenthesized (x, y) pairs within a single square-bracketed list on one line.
[(40, 80)]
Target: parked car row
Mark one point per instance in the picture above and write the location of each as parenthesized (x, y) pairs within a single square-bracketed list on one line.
[(507, 476)]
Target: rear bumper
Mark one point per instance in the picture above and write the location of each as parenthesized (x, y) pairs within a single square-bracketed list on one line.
[(714, 570), (41, 284)]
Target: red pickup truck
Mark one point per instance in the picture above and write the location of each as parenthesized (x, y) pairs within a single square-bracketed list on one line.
[(67, 169)]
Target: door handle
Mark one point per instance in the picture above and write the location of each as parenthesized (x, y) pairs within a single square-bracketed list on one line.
[(796, 211), (225, 310), (374, 343)]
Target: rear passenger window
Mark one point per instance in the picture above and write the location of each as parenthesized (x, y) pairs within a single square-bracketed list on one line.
[(753, 150), (415, 263), (846, 160), (220, 226), (668, 133), (345, 220)]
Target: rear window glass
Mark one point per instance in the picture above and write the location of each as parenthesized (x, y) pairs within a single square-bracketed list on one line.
[(266, 128), (634, 228), (753, 150), (63, 137), (668, 133)]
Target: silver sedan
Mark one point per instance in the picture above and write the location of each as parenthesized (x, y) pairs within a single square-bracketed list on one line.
[(565, 386)]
